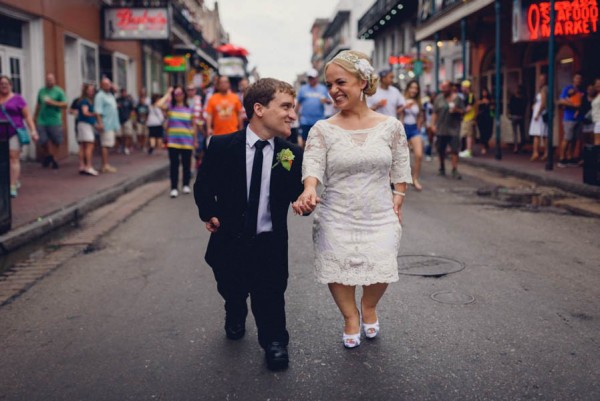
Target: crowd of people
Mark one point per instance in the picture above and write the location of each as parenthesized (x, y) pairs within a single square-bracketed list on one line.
[(109, 120)]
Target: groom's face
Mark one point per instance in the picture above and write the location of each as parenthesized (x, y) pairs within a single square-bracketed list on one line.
[(279, 114)]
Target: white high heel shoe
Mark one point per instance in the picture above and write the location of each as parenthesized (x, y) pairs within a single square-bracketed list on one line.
[(371, 330), (351, 340)]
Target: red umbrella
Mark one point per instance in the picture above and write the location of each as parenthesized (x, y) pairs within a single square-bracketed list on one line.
[(232, 50)]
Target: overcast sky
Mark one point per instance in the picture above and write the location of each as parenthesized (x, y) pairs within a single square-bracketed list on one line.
[(275, 32)]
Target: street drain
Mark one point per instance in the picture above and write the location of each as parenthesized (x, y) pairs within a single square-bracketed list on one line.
[(428, 266), (452, 298)]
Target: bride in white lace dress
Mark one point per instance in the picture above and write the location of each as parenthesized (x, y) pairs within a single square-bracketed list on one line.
[(357, 226)]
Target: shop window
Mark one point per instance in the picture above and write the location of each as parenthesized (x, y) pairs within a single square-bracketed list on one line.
[(15, 74), (89, 62), (121, 72), (11, 32)]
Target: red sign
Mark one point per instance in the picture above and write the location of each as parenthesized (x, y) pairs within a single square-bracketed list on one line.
[(577, 17), (136, 23)]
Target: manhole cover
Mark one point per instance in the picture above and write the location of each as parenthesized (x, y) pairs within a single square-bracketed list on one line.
[(424, 265), (452, 298)]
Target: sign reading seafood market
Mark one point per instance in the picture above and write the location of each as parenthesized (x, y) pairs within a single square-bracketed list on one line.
[(574, 18), (127, 23)]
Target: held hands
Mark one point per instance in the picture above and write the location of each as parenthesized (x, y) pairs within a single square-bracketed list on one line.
[(213, 225), (307, 202)]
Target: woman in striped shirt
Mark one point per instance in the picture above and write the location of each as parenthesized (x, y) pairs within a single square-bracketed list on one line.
[(181, 136)]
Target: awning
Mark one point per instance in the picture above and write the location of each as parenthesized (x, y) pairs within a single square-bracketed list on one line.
[(188, 45), (444, 20)]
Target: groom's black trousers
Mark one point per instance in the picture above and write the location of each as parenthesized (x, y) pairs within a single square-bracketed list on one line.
[(256, 267)]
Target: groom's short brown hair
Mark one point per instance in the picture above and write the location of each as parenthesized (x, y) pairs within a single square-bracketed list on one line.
[(263, 91)]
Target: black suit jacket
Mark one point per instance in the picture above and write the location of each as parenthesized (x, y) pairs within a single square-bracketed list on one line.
[(220, 191)]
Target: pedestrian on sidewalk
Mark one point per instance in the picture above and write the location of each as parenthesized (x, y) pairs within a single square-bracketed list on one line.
[(485, 119), (411, 115), (357, 228), (596, 112), (194, 101), (126, 107), (468, 127), (570, 100), (310, 104), (156, 118), (538, 128), (14, 112), (517, 106), (388, 99), (51, 101), (86, 120), (181, 137), (448, 109), (107, 115), (243, 191), (223, 110), (141, 114)]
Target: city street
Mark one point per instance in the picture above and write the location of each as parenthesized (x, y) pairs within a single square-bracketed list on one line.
[(139, 317)]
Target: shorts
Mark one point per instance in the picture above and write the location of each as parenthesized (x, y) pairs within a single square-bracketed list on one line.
[(107, 139), (572, 130), (126, 129), (411, 131), (141, 129), (53, 134), (597, 128), (446, 140), (13, 143), (468, 129), (155, 132), (304, 130), (85, 132)]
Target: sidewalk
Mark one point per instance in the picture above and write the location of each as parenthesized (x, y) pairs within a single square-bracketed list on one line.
[(50, 198), (569, 179)]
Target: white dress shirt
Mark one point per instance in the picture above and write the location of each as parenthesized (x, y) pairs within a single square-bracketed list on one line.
[(263, 221)]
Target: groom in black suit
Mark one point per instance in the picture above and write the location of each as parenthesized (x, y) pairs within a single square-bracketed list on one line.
[(243, 191)]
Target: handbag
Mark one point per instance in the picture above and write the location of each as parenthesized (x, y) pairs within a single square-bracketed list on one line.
[(545, 116), (22, 133)]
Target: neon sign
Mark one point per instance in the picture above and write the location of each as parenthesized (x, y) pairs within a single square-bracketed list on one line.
[(136, 23), (577, 17)]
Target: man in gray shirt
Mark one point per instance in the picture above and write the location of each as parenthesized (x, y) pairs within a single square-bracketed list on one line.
[(448, 109)]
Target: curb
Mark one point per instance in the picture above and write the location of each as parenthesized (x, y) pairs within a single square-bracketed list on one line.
[(576, 188), (20, 236)]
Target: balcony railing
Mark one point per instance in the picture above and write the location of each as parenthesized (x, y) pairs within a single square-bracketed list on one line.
[(180, 19), (375, 13)]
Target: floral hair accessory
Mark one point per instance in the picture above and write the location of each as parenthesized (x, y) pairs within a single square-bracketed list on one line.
[(362, 65)]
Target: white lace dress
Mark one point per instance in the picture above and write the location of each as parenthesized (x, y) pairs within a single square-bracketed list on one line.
[(356, 233)]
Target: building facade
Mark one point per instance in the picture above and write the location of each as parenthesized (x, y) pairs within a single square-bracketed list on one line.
[(524, 29), (80, 42)]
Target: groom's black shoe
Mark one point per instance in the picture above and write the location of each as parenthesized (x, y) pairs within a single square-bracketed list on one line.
[(234, 330), (276, 355)]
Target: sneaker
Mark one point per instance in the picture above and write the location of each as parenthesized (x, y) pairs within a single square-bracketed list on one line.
[(150, 150), (562, 163), (54, 164), (174, 193), (108, 169), (465, 154), (572, 162), (13, 191), (456, 175), (186, 190), (90, 171), (428, 158), (127, 151), (46, 161)]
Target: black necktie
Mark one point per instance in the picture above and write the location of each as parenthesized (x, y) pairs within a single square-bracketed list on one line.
[(255, 179)]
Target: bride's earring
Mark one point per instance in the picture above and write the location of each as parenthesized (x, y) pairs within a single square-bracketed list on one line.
[(362, 96)]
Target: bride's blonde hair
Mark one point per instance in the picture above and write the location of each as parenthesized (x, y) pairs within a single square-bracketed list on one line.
[(359, 65)]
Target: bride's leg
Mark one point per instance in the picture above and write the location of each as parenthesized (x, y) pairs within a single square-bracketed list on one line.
[(371, 296), (343, 295)]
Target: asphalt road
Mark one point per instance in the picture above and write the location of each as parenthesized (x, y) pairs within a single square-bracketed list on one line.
[(140, 318)]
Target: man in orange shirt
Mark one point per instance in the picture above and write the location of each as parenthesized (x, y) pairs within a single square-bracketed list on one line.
[(223, 111)]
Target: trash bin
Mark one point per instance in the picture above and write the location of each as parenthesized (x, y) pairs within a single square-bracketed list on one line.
[(5, 212), (591, 164)]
